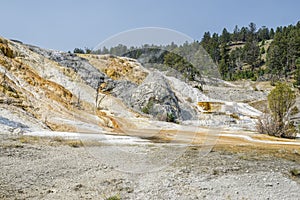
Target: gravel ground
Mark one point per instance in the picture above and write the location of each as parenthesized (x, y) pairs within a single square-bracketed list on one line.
[(35, 168)]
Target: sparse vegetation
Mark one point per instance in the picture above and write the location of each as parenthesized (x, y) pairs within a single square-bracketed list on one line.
[(74, 143), (199, 87), (58, 139), (295, 172), (69, 142), (28, 139), (215, 172), (189, 99), (115, 197), (170, 117), (235, 116), (147, 109)]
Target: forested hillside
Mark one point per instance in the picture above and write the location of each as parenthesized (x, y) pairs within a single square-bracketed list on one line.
[(251, 53), (245, 53)]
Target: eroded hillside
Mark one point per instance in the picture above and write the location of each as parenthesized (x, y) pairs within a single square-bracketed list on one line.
[(45, 89)]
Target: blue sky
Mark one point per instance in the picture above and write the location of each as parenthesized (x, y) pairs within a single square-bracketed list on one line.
[(66, 24)]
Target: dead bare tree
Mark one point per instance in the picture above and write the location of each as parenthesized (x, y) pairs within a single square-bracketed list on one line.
[(78, 104), (98, 99)]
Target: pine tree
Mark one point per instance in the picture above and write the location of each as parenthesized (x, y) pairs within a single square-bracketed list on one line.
[(252, 54), (214, 50), (236, 32), (263, 34), (272, 33), (223, 65), (225, 37), (297, 73), (243, 34), (252, 32), (205, 42)]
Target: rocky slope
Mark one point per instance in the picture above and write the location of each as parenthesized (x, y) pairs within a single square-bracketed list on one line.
[(46, 89)]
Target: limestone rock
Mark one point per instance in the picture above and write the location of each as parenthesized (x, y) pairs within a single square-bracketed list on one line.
[(154, 96)]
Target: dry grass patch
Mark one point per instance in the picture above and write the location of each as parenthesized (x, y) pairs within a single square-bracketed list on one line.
[(28, 139), (261, 151), (260, 105), (74, 143), (69, 142)]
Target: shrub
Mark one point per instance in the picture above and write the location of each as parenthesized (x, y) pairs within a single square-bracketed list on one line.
[(88, 50), (295, 172), (146, 109), (115, 197), (170, 117), (277, 123), (199, 87), (189, 99), (235, 116), (263, 51), (78, 50), (281, 99), (74, 143), (268, 125)]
